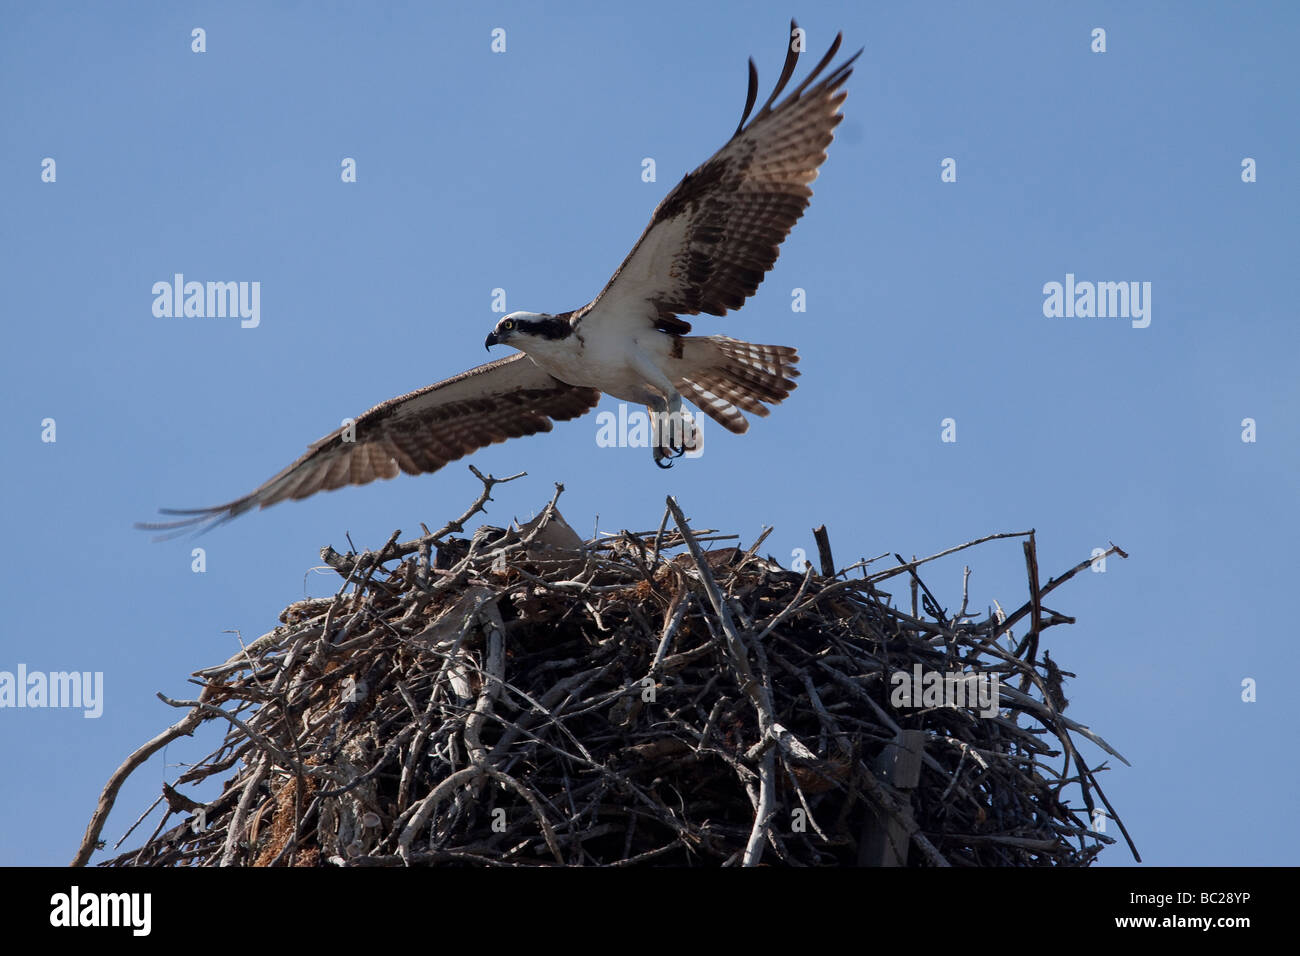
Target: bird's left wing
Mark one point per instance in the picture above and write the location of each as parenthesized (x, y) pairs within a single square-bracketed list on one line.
[(416, 433), (714, 237)]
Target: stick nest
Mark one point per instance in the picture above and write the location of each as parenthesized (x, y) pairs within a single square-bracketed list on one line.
[(526, 698)]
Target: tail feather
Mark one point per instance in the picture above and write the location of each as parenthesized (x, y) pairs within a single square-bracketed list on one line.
[(724, 376)]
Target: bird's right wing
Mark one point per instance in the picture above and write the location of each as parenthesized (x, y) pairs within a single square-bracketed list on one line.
[(416, 433)]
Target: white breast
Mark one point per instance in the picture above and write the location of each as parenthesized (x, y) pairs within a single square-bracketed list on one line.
[(607, 357)]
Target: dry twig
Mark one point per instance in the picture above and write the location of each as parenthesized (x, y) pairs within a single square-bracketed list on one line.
[(525, 698)]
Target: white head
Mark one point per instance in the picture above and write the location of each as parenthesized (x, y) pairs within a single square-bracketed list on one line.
[(524, 330)]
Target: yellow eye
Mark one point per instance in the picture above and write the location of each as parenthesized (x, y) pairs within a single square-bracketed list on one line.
[(507, 325)]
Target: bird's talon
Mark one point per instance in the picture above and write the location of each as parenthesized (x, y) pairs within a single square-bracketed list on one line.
[(665, 454)]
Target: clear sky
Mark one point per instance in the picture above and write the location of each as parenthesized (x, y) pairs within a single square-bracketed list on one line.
[(522, 171)]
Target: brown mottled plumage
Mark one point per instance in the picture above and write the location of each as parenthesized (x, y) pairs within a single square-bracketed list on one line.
[(416, 433), (720, 230)]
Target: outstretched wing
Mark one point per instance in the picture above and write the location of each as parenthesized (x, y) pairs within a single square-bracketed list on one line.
[(715, 236), (416, 433)]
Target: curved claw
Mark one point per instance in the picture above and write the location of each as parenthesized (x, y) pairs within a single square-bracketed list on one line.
[(664, 459)]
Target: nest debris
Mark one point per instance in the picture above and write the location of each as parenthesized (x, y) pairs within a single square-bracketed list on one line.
[(525, 698)]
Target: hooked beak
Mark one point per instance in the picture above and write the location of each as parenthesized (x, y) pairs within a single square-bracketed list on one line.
[(491, 340)]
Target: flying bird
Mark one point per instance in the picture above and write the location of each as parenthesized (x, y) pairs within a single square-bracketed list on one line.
[(708, 246)]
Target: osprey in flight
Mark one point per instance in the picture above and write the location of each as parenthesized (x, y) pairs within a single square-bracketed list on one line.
[(707, 248)]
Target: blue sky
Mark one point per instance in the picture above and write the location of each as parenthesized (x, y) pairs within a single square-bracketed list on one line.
[(522, 171)]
